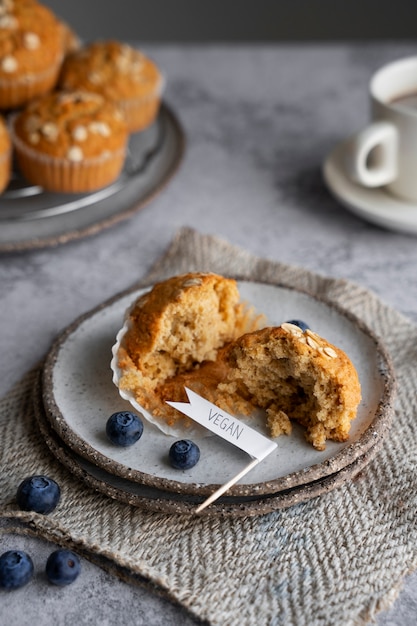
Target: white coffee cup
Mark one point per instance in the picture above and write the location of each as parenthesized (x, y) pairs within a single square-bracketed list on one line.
[(385, 152)]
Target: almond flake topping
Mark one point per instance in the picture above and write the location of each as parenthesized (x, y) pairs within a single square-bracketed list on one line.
[(75, 154), (8, 21), (123, 64), (31, 41), (138, 77), (34, 138), (118, 116), (9, 64), (292, 328), (6, 5), (101, 128), (312, 343), (142, 301), (191, 282), (95, 78), (137, 65), (330, 352), (64, 98), (79, 133), (32, 123), (50, 131)]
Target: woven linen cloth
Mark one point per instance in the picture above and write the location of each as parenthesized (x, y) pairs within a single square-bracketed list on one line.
[(336, 559)]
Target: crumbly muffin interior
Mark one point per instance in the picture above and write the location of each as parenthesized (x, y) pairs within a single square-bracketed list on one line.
[(177, 326), (293, 376)]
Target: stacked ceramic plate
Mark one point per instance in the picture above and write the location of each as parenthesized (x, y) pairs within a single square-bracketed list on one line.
[(76, 396), (32, 218)]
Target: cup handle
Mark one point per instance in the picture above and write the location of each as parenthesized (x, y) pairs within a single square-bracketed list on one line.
[(373, 153)]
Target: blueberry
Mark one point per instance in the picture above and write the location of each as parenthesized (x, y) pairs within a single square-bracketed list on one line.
[(124, 428), (62, 567), (184, 454), (38, 493), (16, 569), (299, 323)]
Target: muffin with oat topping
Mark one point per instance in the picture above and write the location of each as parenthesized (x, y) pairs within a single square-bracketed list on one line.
[(173, 328), (31, 51), (5, 155), (294, 375), (70, 141), (121, 74)]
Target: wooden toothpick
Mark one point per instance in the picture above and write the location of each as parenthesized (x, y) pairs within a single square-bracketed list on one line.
[(229, 428), (221, 490)]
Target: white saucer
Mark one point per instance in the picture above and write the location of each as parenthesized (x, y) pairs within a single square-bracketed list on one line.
[(373, 204)]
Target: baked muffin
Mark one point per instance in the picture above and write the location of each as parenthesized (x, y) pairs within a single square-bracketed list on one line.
[(70, 142), (121, 74), (31, 51), (5, 155), (171, 329), (293, 375)]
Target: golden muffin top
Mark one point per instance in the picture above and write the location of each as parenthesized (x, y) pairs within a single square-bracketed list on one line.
[(113, 69), (71, 125)]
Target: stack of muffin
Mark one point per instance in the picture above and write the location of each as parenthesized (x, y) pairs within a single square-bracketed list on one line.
[(70, 108)]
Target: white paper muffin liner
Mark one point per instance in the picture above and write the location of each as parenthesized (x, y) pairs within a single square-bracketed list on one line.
[(180, 430), (140, 112), (62, 175)]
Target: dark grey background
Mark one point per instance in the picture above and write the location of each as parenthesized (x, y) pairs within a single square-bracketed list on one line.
[(240, 20)]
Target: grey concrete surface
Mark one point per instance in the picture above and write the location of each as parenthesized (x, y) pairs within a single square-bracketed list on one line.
[(259, 122)]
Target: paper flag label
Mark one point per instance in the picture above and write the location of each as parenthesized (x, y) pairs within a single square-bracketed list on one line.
[(225, 425)]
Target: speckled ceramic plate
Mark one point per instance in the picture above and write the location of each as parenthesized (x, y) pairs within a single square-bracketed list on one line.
[(79, 396), (157, 500), (32, 218)]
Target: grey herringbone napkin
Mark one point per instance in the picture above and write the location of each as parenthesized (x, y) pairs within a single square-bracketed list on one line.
[(338, 558)]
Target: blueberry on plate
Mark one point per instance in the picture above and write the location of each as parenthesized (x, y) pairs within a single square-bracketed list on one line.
[(184, 454), (62, 567), (124, 428), (38, 493), (299, 323), (16, 569)]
